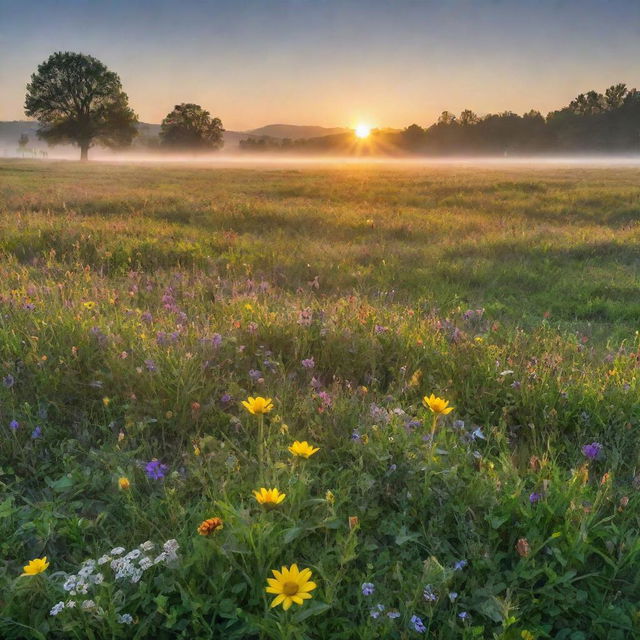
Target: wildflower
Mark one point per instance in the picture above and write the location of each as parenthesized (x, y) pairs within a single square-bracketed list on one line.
[(354, 522), (255, 375), (117, 551), (523, 548), (147, 546), (209, 526), (226, 398), (453, 595), (171, 546), (134, 554), (36, 433), (368, 588), (104, 559), (98, 578), (151, 365), (70, 604), (417, 624), (535, 497), (106, 401), (527, 635), (290, 585), (329, 497), (376, 611), (439, 406), (125, 618), (124, 483), (308, 363), (155, 469), (56, 609), (393, 614), (88, 604), (35, 566), (89, 305), (460, 565), (8, 381), (463, 615), (269, 498), (429, 595), (592, 451), (13, 425), (257, 405), (302, 449)]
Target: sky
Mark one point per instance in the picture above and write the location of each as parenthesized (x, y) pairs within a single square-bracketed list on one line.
[(387, 63)]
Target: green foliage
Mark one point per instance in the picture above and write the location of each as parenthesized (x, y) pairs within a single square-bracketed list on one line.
[(139, 306), (190, 127)]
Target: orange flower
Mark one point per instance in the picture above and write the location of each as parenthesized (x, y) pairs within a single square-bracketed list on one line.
[(209, 526)]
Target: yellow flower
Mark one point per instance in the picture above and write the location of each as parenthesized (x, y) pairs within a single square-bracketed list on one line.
[(437, 405), (302, 449), (527, 635), (123, 483), (89, 305), (209, 526), (106, 401), (290, 585), (258, 405), (36, 566), (269, 498), (329, 497)]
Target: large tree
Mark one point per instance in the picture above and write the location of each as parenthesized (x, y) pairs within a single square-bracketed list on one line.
[(78, 100), (190, 127)]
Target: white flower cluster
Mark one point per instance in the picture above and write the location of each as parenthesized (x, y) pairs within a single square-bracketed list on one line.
[(125, 566)]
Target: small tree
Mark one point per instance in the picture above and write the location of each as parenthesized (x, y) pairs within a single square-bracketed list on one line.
[(23, 141), (78, 100), (189, 126)]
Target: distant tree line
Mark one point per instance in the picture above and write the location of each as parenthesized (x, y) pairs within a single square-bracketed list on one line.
[(592, 122)]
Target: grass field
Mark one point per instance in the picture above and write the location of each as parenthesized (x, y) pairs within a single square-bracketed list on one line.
[(140, 305)]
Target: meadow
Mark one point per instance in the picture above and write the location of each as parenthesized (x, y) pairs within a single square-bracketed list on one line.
[(141, 306)]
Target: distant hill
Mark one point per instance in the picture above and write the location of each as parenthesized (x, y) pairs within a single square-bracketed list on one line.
[(295, 131)]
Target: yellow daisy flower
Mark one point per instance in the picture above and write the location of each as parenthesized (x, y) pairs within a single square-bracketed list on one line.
[(302, 449), (437, 405), (290, 585), (269, 498), (124, 483), (36, 566), (258, 405)]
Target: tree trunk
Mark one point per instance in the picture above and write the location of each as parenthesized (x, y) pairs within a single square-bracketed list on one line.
[(84, 152)]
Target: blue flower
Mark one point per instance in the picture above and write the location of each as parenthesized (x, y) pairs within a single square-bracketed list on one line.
[(8, 381), (460, 565), (14, 424), (155, 469), (535, 497), (417, 624), (393, 614), (36, 433), (376, 611), (592, 451), (368, 588), (463, 615)]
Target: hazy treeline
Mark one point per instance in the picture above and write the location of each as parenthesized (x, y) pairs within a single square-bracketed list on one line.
[(595, 122)]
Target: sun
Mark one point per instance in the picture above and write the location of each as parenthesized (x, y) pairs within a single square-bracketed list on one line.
[(362, 131)]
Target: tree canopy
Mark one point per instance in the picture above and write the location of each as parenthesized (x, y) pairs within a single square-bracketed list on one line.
[(78, 100), (190, 127)]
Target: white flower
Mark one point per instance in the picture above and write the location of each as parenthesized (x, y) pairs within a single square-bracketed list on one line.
[(148, 546), (118, 563), (125, 618), (85, 571), (132, 555), (136, 575), (83, 588), (56, 609), (98, 578), (146, 563), (70, 583), (117, 551), (104, 559), (161, 558), (88, 604), (125, 571), (171, 546), (71, 604)]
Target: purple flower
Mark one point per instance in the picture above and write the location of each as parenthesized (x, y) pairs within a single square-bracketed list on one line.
[(308, 363), (254, 374), (226, 398), (417, 624), (8, 381), (14, 424), (376, 611), (592, 451), (151, 365), (36, 433), (380, 329), (393, 614), (368, 588), (146, 317), (460, 565), (429, 595), (535, 497), (463, 615), (355, 436), (453, 596), (155, 469)]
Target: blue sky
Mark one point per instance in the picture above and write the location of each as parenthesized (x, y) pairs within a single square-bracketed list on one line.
[(330, 62)]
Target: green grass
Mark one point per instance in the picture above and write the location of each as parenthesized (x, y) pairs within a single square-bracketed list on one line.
[(140, 304)]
